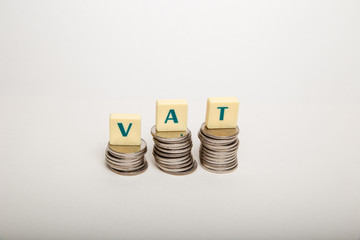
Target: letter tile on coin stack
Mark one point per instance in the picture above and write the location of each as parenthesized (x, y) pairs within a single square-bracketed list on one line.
[(172, 138), (219, 135), (125, 152)]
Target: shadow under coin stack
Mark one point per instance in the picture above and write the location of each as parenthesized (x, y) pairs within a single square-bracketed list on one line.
[(219, 135), (172, 151), (127, 159), (218, 149)]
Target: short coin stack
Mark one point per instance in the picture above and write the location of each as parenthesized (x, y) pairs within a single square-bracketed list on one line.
[(172, 151), (127, 159), (218, 150)]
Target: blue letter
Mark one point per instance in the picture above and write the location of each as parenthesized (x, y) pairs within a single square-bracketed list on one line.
[(122, 130), (222, 112), (174, 118)]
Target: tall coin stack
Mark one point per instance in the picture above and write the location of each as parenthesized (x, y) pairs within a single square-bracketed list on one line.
[(127, 160), (219, 135), (172, 138), (218, 149), (172, 152)]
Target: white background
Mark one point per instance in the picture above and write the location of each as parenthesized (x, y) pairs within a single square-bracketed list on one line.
[(294, 65)]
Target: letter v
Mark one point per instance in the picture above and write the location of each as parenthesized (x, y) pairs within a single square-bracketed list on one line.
[(122, 129)]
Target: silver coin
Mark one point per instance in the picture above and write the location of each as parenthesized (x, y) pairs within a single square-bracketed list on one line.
[(121, 160), (220, 133), (173, 151), (218, 159), (125, 163), (182, 139), (131, 168), (128, 150), (219, 165), (170, 136), (213, 141), (131, 173), (213, 153), (172, 160), (173, 145), (161, 152), (223, 148), (183, 169), (220, 151), (175, 160), (177, 166), (219, 171), (182, 173)]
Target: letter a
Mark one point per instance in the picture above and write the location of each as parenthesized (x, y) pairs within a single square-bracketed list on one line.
[(173, 116)]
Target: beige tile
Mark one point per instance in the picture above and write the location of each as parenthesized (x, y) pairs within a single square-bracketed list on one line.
[(125, 129), (222, 112), (171, 115)]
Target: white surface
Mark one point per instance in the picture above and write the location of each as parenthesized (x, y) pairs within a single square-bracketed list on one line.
[(293, 65)]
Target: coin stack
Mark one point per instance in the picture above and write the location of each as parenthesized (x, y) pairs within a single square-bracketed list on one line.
[(172, 151), (127, 159), (218, 149)]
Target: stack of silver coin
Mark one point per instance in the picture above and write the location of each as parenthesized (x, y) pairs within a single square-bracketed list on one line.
[(127, 159), (172, 152), (218, 149)]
